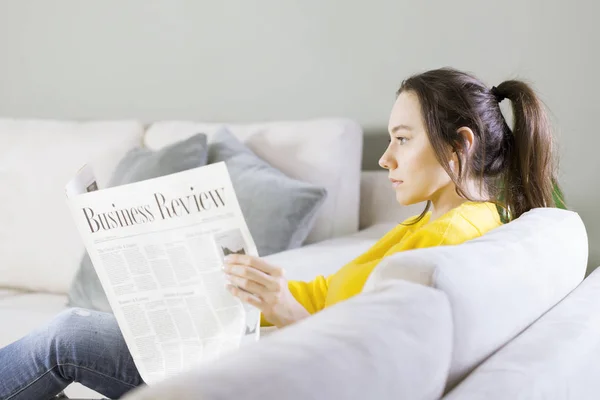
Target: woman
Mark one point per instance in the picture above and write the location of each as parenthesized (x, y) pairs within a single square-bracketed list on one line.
[(449, 145)]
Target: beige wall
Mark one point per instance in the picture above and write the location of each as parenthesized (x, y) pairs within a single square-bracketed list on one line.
[(274, 59)]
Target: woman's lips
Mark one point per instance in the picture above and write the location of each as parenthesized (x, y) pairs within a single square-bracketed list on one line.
[(395, 182)]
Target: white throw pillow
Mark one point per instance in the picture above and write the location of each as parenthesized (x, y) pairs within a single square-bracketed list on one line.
[(39, 243), (324, 152)]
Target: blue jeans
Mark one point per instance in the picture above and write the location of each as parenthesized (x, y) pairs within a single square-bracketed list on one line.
[(77, 346)]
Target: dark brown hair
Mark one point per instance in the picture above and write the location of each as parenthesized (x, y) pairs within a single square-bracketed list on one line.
[(515, 166)]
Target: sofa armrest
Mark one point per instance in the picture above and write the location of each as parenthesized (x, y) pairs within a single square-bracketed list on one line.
[(393, 342), (555, 358)]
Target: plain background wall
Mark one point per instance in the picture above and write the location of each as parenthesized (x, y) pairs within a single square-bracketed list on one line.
[(262, 60)]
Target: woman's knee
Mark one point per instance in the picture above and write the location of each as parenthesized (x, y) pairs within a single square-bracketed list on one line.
[(68, 322), (77, 327), (82, 345)]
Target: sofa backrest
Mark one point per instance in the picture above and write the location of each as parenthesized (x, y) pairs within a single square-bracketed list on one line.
[(500, 283), (39, 243), (325, 152)]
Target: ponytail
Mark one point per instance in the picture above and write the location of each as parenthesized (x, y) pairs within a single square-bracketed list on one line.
[(530, 178)]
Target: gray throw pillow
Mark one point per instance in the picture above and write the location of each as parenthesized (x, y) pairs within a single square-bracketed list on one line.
[(280, 211), (139, 164)]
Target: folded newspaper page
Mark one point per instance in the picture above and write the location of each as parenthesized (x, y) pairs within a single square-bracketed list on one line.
[(158, 248)]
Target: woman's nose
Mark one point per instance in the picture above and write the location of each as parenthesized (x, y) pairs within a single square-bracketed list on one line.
[(385, 161)]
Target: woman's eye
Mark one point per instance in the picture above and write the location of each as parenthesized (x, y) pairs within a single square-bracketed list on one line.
[(401, 139)]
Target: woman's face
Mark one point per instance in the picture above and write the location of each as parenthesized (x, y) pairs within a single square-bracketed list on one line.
[(415, 173)]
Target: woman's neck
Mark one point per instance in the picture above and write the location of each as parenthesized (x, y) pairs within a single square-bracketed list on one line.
[(447, 199), (439, 208)]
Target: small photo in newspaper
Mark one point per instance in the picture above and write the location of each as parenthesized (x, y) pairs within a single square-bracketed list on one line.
[(83, 182), (92, 187), (232, 242)]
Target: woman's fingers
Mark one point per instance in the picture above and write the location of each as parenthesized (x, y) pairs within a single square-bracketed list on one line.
[(251, 274), (254, 281), (248, 285), (245, 296), (255, 262)]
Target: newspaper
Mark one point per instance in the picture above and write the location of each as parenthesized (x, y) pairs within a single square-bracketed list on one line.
[(158, 248)]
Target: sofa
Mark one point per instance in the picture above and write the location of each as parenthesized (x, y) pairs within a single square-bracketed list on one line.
[(507, 315)]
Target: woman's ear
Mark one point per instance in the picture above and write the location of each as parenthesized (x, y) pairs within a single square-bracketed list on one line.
[(465, 146), (468, 138)]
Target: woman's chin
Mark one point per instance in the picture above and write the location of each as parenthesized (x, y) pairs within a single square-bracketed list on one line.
[(407, 201), (402, 200)]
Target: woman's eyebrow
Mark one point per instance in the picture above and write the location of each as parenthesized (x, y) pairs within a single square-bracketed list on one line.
[(400, 127)]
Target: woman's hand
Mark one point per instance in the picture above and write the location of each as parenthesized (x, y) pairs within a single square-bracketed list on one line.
[(264, 286)]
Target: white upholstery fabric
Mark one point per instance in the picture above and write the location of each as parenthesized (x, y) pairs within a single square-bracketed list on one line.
[(8, 292), (378, 202), (499, 283), (325, 152), (38, 240), (359, 349), (555, 358)]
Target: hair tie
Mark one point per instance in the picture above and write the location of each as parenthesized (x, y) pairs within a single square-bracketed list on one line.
[(496, 93)]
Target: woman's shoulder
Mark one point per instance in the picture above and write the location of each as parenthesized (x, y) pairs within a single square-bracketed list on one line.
[(468, 221), (483, 216), (465, 222)]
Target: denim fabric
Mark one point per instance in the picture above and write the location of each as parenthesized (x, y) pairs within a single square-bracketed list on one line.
[(78, 345)]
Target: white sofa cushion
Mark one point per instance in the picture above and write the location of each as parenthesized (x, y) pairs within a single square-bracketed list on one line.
[(499, 283), (325, 152), (38, 240), (555, 358), (391, 343), (8, 292)]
